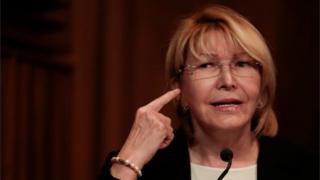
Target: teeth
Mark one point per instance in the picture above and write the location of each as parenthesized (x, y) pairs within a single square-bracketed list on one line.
[(225, 105)]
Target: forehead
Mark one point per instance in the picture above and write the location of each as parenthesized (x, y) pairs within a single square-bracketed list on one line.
[(217, 43)]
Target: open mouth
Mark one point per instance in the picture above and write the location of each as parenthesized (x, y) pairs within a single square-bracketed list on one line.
[(226, 103)]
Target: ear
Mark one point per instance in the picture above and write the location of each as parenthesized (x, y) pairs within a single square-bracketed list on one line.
[(262, 101)]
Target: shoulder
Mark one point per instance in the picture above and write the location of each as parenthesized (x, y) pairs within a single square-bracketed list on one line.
[(282, 158)]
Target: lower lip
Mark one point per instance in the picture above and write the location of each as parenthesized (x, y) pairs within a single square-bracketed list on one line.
[(227, 108)]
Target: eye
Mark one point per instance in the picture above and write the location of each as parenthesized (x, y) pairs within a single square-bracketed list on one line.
[(207, 65), (243, 63), (252, 64)]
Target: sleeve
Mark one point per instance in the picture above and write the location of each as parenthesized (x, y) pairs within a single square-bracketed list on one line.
[(105, 170)]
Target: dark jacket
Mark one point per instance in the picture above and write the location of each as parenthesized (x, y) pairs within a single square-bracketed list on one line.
[(277, 160)]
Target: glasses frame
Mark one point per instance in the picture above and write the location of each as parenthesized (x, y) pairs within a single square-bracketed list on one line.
[(192, 68)]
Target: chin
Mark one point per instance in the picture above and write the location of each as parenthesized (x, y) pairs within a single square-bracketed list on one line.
[(230, 123)]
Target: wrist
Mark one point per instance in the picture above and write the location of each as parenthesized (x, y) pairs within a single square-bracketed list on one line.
[(134, 157), (122, 172), (126, 163)]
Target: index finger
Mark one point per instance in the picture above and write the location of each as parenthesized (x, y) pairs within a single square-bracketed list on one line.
[(158, 103)]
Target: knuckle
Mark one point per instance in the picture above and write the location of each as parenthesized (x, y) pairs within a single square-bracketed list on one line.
[(153, 120), (150, 116), (168, 120), (161, 126), (141, 110)]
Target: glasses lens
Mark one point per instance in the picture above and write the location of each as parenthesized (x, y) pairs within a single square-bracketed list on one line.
[(238, 68), (203, 73), (246, 68)]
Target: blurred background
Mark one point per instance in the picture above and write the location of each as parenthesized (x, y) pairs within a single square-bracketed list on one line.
[(73, 72)]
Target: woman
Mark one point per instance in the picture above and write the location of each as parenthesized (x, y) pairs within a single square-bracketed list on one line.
[(223, 80)]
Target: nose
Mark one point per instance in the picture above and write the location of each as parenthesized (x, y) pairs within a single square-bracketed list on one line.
[(226, 80)]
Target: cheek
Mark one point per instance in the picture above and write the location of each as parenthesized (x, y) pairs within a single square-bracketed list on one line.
[(194, 92), (252, 88)]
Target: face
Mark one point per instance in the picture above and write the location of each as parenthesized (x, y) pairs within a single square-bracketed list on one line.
[(225, 101)]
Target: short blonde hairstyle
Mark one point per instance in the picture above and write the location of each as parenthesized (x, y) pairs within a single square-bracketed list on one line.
[(220, 18)]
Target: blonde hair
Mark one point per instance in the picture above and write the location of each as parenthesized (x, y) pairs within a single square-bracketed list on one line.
[(242, 32)]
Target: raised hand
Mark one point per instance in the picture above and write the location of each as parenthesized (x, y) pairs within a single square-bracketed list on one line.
[(150, 132)]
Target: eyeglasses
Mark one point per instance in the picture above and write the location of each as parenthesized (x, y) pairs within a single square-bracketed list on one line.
[(241, 68)]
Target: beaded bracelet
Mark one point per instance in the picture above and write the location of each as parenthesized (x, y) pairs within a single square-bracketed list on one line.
[(128, 164)]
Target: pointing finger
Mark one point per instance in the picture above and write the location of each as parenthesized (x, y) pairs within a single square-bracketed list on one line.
[(158, 103)]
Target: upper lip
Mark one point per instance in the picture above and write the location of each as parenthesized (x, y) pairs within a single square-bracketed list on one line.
[(226, 101)]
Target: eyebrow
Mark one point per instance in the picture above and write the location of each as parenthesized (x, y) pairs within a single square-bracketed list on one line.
[(241, 54)]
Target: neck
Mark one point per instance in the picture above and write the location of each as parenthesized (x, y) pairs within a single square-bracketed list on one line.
[(207, 145)]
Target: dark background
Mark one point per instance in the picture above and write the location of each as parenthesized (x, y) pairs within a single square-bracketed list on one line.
[(73, 72)]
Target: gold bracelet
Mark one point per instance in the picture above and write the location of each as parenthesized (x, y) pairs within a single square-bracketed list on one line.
[(128, 164)]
